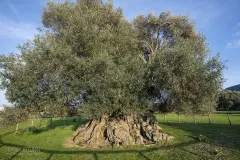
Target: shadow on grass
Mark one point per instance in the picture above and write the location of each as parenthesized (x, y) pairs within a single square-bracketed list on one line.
[(95, 153), (15, 155), (222, 135), (219, 134), (5, 134), (75, 122)]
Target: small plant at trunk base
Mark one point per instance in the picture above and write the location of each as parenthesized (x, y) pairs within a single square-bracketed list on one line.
[(218, 152), (202, 138)]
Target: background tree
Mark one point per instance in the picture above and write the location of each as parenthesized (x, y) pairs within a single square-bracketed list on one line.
[(89, 56), (229, 100), (13, 116)]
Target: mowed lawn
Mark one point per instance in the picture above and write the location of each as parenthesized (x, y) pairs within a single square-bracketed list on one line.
[(222, 142)]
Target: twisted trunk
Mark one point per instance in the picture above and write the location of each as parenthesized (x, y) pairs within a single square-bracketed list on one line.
[(110, 131)]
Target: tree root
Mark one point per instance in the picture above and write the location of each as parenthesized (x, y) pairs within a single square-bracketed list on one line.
[(119, 132)]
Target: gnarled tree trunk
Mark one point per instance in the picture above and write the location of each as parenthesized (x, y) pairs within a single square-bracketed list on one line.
[(129, 130)]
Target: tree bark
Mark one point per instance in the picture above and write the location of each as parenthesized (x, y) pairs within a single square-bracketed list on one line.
[(165, 118), (129, 130)]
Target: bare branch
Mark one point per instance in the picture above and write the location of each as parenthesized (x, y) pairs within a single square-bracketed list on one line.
[(148, 46), (142, 58), (166, 23)]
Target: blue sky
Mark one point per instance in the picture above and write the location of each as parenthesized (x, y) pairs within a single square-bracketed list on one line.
[(219, 20)]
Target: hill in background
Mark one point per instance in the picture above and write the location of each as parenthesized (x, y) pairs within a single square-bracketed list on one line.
[(234, 88)]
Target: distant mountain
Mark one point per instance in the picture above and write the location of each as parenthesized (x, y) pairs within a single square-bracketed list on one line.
[(234, 88)]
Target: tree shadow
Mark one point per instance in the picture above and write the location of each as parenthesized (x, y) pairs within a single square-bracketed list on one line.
[(15, 155), (1, 145), (142, 155), (95, 156), (75, 122), (50, 156), (215, 133), (223, 135), (5, 134), (94, 153)]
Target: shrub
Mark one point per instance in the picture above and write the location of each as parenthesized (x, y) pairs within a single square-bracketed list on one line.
[(202, 138), (31, 130), (218, 152)]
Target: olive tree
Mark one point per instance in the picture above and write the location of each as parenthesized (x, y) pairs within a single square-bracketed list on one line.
[(91, 58)]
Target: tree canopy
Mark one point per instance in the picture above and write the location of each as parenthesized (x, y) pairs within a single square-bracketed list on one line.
[(90, 57), (229, 100)]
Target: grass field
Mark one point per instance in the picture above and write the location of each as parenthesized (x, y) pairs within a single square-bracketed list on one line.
[(222, 142)]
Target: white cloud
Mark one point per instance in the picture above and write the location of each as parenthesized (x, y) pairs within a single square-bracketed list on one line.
[(236, 34), (13, 9), (18, 30), (238, 25), (234, 44)]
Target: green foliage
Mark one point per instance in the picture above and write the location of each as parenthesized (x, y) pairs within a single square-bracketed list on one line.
[(202, 138), (229, 100), (13, 115), (180, 72), (30, 130), (85, 49), (218, 152), (89, 48)]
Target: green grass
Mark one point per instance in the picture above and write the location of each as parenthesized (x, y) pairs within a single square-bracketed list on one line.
[(227, 112), (223, 141)]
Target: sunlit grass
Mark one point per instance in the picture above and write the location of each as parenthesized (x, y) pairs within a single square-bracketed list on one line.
[(221, 137)]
